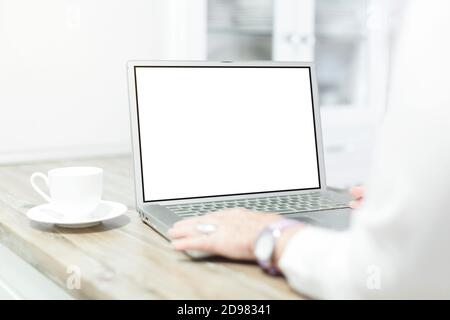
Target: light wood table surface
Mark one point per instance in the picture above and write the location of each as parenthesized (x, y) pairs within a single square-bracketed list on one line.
[(122, 258)]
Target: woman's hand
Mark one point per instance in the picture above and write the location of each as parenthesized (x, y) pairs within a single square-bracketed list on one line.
[(235, 234), (358, 196)]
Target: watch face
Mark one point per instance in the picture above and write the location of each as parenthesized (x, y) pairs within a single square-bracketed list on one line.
[(264, 246)]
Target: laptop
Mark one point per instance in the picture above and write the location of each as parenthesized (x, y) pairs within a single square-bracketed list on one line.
[(214, 135)]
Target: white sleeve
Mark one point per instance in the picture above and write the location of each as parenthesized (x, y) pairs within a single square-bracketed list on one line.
[(397, 245), (306, 269)]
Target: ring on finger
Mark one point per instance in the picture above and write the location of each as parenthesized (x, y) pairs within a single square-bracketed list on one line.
[(206, 228)]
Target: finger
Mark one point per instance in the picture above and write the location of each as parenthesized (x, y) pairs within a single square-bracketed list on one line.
[(187, 222), (182, 231), (357, 192), (354, 204), (200, 243), (188, 227)]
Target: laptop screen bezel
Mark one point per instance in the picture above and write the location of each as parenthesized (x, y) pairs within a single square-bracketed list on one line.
[(135, 128)]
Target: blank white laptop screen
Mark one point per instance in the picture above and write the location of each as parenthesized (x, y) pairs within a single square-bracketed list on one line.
[(214, 131)]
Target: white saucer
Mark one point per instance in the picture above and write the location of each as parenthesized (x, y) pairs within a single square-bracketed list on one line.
[(106, 210)]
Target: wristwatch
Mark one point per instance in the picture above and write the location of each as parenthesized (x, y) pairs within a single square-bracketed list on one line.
[(264, 247)]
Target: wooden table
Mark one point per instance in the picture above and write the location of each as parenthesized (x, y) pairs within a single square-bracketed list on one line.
[(122, 258)]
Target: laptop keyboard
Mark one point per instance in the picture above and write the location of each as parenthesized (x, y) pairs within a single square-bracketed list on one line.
[(289, 204)]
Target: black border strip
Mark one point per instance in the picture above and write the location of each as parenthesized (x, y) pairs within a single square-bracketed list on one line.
[(224, 195)]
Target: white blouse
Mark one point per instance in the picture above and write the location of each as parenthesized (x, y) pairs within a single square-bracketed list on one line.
[(398, 245)]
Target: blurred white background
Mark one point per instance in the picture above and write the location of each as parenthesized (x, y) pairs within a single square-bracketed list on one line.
[(63, 88)]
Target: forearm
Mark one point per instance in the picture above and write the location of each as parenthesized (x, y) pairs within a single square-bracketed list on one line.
[(315, 261)]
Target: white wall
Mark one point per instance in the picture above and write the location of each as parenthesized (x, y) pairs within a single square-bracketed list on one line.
[(63, 89)]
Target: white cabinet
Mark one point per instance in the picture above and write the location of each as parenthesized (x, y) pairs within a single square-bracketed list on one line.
[(293, 30), (19, 280)]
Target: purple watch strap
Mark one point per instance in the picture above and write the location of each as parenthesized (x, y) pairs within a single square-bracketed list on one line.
[(275, 229)]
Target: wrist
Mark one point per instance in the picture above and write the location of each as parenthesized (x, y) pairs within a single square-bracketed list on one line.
[(268, 248), (283, 241)]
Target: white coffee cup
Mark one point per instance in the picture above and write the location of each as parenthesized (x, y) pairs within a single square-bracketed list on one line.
[(74, 191)]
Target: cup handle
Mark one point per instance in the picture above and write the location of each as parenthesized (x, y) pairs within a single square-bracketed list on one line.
[(36, 188)]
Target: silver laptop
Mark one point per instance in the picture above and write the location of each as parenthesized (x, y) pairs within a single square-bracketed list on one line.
[(214, 135)]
